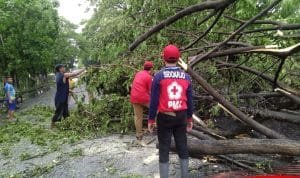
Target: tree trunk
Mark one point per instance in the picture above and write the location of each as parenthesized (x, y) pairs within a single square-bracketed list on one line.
[(289, 95), (200, 135), (293, 118), (244, 146)]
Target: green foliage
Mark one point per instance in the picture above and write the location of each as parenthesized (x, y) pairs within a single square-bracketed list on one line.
[(215, 110), (109, 79), (76, 152), (33, 125), (264, 165), (24, 156), (116, 24), (38, 171), (5, 151), (33, 38), (111, 113)]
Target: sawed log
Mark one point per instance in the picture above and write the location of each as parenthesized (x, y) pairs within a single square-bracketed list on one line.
[(240, 146)]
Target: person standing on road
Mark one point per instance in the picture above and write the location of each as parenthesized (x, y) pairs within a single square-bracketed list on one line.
[(140, 96), (62, 92), (11, 98), (171, 96)]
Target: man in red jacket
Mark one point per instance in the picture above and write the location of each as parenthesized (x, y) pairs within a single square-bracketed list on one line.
[(140, 96), (172, 103)]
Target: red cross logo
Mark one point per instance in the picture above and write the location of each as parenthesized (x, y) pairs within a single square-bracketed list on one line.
[(174, 91)]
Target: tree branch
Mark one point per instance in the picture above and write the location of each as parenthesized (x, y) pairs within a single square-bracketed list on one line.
[(229, 107), (282, 60), (241, 28), (256, 22), (206, 31), (270, 50), (280, 27), (216, 5), (284, 52), (263, 76)]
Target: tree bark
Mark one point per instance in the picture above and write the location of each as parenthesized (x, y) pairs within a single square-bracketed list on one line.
[(277, 115), (211, 133), (295, 98), (243, 146), (199, 135)]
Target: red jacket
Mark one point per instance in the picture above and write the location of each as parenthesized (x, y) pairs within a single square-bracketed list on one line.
[(141, 87), (171, 92)]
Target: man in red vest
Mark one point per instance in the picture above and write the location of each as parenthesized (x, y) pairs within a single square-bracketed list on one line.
[(140, 96), (171, 96)]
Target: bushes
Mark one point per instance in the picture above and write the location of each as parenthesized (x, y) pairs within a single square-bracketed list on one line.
[(111, 113)]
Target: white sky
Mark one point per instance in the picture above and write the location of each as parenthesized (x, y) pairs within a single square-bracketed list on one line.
[(75, 11)]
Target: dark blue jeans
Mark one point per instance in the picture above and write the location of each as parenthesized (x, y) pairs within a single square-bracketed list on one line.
[(61, 110), (166, 127)]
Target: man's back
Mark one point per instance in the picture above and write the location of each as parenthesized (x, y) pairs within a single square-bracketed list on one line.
[(62, 88), (141, 87)]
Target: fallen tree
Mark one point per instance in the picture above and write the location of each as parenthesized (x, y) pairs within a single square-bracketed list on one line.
[(231, 50), (283, 116), (235, 146), (229, 107)]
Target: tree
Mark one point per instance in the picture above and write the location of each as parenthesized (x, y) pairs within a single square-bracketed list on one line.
[(33, 39), (209, 34)]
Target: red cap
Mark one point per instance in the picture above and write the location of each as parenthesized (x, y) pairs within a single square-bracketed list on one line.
[(171, 53), (148, 64)]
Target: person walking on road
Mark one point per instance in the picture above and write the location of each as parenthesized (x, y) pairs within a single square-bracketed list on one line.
[(140, 96), (11, 98), (62, 92), (171, 96)]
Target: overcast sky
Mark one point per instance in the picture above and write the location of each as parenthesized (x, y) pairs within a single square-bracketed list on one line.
[(75, 10)]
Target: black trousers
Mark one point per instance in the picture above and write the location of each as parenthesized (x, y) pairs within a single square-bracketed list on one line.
[(166, 127), (61, 110)]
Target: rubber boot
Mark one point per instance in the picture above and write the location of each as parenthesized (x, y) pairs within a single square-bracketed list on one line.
[(164, 170), (184, 168)]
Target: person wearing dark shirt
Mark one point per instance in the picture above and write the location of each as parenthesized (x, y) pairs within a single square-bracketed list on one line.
[(62, 92), (140, 96), (171, 101)]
